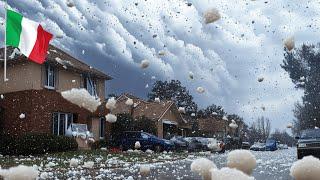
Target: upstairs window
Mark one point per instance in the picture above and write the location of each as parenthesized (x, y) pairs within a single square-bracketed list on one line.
[(91, 86), (49, 79)]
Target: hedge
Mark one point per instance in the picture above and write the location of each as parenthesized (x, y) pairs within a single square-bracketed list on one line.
[(33, 144)]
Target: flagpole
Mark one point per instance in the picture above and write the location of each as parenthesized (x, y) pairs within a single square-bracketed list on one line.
[(5, 43)]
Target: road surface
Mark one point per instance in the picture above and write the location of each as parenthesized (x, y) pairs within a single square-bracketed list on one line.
[(270, 166)]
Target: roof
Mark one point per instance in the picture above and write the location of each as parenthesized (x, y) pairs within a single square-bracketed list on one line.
[(152, 110), (57, 57)]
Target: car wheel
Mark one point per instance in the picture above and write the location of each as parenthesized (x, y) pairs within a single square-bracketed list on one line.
[(299, 154)]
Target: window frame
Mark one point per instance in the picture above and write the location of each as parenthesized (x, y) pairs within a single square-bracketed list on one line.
[(66, 122), (102, 128), (47, 84), (90, 85)]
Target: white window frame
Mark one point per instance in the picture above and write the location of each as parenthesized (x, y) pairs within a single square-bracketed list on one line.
[(91, 84), (65, 121), (49, 69)]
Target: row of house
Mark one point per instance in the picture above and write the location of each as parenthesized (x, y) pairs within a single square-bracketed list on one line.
[(33, 90)]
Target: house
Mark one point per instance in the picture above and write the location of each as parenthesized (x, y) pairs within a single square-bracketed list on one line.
[(213, 126), (164, 114), (31, 99), (217, 127)]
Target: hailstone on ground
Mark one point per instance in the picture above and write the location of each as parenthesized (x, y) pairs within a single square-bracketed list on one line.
[(74, 162), (144, 170), (20, 172)]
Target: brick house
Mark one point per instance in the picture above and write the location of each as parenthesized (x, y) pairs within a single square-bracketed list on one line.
[(34, 90), (214, 126), (165, 114)]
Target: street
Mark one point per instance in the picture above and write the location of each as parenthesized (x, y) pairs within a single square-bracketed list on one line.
[(270, 166)]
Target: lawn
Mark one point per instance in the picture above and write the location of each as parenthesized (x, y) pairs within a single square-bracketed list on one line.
[(57, 165)]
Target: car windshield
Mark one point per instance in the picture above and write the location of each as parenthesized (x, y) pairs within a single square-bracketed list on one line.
[(312, 133), (270, 141)]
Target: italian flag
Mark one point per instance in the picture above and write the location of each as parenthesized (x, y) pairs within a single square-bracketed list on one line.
[(28, 36)]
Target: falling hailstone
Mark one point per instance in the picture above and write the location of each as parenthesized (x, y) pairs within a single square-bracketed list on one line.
[(233, 125), (289, 125), (83, 51), (225, 118), (214, 113), (59, 36), (161, 53), (111, 118), (137, 145), (157, 100), (144, 64), (191, 75), (147, 86), (74, 162), (200, 90), (111, 104), (307, 168), (22, 116), (70, 3), (289, 43), (129, 102), (242, 160), (2, 96), (260, 79), (211, 16), (193, 114), (203, 167)]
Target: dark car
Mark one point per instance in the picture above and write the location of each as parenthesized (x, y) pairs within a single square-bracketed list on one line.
[(146, 140), (271, 145), (308, 143), (245, 145), (179, 142), (194, 144)]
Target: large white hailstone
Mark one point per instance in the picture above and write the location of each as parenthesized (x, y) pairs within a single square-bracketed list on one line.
[(88, 164), (242, 160), (82, 98), (211, 15), (229, 174), (20, 172), (307, 168), (289, 43), (129, 102), (2, 96), (200, 89), (144, 170), (137, 145), (22, 116), (111, 118), (111, 103), (182, 110), (203, 167), (74, 162), (144, 64), (157, 100), (191, 75)]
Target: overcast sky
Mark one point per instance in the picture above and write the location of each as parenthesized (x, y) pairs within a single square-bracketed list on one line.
[(226, 57)]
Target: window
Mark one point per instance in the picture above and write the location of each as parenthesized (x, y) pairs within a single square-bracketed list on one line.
[(102, 128), (91, 86), (49, 77), (61, 122)]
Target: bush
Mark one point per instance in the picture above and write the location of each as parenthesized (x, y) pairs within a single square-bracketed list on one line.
[(32, 144), (99, 144)]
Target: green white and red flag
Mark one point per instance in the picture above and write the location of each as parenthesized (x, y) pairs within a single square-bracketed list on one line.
[(28, 36)]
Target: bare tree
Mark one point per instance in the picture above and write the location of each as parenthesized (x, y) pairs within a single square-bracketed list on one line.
[(260, 130)]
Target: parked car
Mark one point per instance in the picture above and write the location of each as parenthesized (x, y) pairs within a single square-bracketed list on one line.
[(271, 145), (146, 140), (258, 147), (179, 142), (308, 143), (194, 144), (245, 145), (282, 146)]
